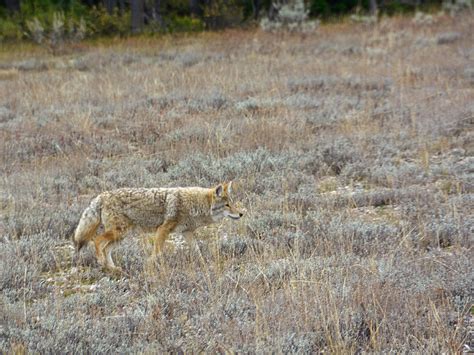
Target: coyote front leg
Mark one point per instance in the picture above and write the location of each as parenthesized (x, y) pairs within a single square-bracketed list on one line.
[(103, 248), (162, 233)]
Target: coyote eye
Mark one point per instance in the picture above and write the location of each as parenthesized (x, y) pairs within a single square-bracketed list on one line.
[(227, 205)]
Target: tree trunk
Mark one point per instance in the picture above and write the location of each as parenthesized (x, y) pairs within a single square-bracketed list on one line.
[(256, 5), (121, 7), (138, 8), (195, 8), (373, 7), (109, 6), (13, 5), (273, 11), (157, 14)]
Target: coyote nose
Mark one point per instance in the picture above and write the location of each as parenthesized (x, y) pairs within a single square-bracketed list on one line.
[(240, 214)]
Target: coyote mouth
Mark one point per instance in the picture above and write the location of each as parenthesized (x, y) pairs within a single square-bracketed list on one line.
[(233, 217)]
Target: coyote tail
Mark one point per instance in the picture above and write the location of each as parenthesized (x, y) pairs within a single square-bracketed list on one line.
[(88, 223)]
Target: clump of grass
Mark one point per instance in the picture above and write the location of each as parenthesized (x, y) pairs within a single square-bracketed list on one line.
[(448, 37)]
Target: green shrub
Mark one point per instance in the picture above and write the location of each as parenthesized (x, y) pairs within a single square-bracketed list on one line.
[(327, 8), (103, 23), (44, 9), (185, 24), (10, 29), (220, 13), (292, 16), (393, 8), (320, 8), (60, 30)]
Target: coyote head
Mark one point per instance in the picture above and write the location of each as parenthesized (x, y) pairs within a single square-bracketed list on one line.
[(222, 205)]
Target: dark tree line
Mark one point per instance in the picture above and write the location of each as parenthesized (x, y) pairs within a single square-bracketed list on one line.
[(212, 13)]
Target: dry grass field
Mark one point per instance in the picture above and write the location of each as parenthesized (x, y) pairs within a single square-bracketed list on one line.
[(352, 154)]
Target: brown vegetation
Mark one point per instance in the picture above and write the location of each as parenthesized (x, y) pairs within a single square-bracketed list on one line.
[(353, 152)]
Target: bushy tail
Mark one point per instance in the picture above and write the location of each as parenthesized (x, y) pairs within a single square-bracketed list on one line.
[(88, 224)]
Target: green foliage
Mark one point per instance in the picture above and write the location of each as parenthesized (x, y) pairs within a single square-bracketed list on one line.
[(320, 8), (176, 16), (103, 23), (10, 29), (176, 8), (44, 9), (393, 7), (42, 15), (62, 29), (292, 16), (328, 8), (221, 13), (185, 24)]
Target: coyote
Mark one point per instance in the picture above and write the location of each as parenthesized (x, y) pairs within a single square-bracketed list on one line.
[(164, 210)]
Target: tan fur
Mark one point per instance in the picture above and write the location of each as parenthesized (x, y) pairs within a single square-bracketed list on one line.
[(163, 210)]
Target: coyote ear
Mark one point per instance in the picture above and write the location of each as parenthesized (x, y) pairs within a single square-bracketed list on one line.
[(229, 187), (219, 190)]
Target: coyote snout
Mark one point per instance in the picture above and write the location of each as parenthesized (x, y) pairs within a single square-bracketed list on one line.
[(162, 210)]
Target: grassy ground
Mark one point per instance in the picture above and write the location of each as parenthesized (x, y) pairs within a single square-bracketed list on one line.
[(352, 152)]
